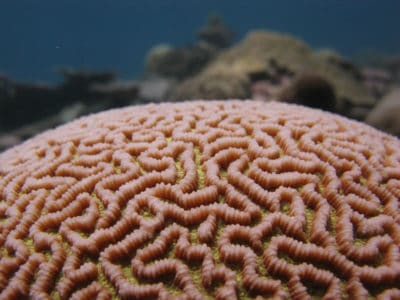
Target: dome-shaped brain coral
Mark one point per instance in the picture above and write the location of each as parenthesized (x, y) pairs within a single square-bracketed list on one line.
[(202, 200)]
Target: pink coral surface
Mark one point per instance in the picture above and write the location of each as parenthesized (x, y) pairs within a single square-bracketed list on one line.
[(225, 200)]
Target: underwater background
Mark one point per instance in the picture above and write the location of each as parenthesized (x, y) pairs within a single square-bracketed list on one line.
[(38, 36), (87, 56)]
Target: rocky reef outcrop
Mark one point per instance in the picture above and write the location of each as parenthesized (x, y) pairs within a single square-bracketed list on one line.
[(310, 89), (274, 59), (386, 114), (184, 61), (97, 90), (28, 108)]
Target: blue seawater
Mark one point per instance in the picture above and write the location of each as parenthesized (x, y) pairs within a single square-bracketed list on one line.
[(38, 36)]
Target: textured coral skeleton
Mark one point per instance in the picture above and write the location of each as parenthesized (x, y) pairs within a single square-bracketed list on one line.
[(198, 200)]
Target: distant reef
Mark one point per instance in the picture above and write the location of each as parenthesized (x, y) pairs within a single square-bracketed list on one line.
[(264, 66), (277, 62)]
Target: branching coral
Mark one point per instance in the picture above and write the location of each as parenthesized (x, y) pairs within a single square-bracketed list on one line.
[(202, 200)]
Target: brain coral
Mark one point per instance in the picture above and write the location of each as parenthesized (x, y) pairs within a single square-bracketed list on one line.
[(202, 200)]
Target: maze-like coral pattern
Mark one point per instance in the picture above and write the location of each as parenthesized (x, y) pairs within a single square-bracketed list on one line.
[(202, 200)]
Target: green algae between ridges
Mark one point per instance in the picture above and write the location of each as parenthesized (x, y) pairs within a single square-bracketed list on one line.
[(309, 221), (195, 272), (314, 290), (332, 222), (127, 270), (4, 219), (285, 207), (105, 283), (99, 203), (180, 171), (60, 275), (136, 162), (146, 213), (362, 180), (199, 169), (223, 173), (194, 236)]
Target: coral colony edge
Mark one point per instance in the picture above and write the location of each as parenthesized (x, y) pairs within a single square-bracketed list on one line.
[(197, 200)]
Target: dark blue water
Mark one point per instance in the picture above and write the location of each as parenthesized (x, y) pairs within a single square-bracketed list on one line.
[(37, 36)]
